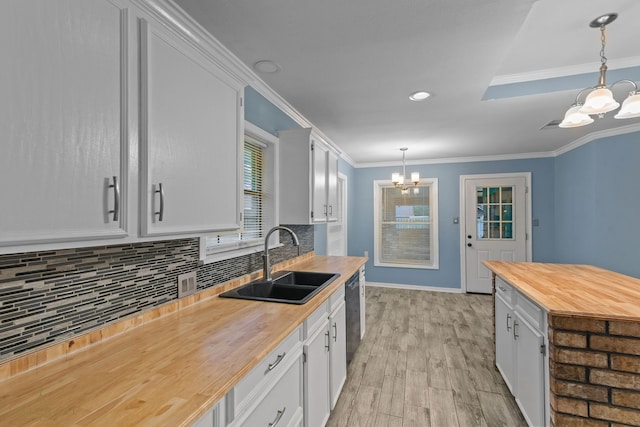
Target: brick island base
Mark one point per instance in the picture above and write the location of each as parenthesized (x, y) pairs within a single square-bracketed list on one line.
[(594, 368)]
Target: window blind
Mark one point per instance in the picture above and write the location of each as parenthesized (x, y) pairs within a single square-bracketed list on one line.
[(253, 194), (405, 226), (253, 191)]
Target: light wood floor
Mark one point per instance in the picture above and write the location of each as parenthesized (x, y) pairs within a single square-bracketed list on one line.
[(426, 361)]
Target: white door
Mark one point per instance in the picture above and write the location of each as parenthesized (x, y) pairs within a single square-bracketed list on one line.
[(338, 352), (316, 378), (337, 230), (495, 225), (530, 370), (505, 346)]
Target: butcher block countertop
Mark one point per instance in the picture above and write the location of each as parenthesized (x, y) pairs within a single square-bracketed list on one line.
[(574, 290), (167, 372)]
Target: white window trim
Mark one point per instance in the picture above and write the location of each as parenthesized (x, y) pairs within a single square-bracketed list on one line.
[(236, 249), (433, 212)]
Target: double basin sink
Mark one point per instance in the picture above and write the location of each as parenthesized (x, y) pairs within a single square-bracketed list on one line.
[(292, 287)]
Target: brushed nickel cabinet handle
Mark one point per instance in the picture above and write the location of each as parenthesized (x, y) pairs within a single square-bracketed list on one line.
[(508, 318), (326, 334), (278, 417), (116, 198), (515, 333), (160, 213), (335, 332), (278, 360)]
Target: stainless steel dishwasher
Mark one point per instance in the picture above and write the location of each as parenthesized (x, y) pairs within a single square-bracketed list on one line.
[(352, 301)]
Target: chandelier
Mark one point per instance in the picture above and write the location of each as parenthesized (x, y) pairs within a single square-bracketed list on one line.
[(399, 179), (599, 99)]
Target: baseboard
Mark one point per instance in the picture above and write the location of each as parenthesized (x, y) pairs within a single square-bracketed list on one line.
[(414, 287)]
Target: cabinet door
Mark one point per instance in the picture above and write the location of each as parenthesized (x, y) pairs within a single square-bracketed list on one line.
[(190, 138), (64, 120), (338, 352), (316, 378), (332, 187), (319, 182), (505, 345), (530, 370)]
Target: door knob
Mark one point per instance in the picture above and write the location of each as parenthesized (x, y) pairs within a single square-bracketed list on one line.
[(469, 244)]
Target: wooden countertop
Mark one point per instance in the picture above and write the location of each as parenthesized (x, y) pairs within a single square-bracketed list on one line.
[(167, 372), (574, 290)]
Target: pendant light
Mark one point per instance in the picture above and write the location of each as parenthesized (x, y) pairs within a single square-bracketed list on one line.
[(599, 99), (399, 179)]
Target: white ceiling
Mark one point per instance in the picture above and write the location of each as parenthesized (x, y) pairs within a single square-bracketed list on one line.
[(348, 66)]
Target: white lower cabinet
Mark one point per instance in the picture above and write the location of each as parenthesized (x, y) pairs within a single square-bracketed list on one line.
[(325, 355), (299, 382), (337, 351), (316, 374), (521, 355)]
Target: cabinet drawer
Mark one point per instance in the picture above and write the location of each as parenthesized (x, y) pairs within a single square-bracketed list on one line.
[(267, 370), (529, 310), (505, 290), (282, 406), (315, 320)]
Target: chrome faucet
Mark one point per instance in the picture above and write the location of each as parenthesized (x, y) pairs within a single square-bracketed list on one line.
[(266, 269)]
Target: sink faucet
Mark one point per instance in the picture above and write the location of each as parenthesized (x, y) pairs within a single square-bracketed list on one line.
[(266, 269)]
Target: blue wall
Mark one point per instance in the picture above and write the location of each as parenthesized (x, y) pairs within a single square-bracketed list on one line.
[(448, 275), (598, 204), (262, 113), (586, 202)]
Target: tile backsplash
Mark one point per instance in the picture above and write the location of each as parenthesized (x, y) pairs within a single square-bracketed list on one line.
[(50, 296)]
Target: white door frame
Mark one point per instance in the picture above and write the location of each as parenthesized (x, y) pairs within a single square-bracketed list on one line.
[(343, 202), (463, 212)]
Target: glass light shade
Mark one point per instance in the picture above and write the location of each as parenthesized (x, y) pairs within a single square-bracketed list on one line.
[(415, 177), (416, 190), (630, 107), (404, 191), (574, 118), (395, 177), (400, 179), (599, 101)]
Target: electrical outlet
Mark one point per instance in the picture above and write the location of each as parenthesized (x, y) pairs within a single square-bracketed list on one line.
[(187, 284)]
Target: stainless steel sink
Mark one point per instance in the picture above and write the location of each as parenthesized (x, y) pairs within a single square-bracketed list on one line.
[(292, 287)]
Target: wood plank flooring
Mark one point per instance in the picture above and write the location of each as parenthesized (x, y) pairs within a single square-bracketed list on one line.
[(426, 361)]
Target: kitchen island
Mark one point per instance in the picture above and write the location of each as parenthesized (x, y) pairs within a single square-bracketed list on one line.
[(169, 371), (589, 319)]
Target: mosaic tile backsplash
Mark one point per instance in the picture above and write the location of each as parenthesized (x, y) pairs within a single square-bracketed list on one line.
[(51, 296)]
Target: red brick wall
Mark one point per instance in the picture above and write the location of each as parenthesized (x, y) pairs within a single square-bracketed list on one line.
[(594, 368)]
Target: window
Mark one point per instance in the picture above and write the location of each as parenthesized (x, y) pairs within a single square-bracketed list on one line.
[(494, 217), (406, 225), (258, 204)]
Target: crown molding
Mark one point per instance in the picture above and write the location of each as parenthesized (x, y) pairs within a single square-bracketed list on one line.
[(596, 135), (571, 70), (445, 160)]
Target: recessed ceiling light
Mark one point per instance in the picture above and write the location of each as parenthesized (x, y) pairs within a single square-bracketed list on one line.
[(420, 95), (266, 66)]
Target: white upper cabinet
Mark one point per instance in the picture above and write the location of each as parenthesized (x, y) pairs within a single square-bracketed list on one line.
[(63, 102), (308, 178), (191, 129)]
